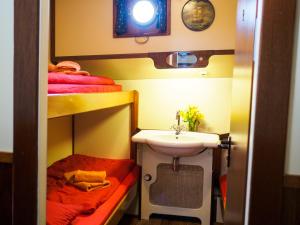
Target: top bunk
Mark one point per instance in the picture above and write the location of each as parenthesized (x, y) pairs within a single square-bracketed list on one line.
[(72, 91), (70, 104)]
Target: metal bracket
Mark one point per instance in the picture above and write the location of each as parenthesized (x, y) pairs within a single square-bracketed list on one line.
[(226, 144)]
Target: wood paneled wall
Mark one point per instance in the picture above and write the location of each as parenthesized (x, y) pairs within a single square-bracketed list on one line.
[(26, 112), (5, 193), (291, 201)]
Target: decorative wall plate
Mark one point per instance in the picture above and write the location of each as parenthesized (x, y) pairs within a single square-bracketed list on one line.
[(198, 15)]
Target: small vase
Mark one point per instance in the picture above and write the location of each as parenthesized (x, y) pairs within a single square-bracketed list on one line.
[(193, 126)]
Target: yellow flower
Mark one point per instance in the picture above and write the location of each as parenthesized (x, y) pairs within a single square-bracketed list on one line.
[(192, 116)]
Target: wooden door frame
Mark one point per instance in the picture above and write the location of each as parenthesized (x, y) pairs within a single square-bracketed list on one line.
[(271, 113), (270, 125), (26, 110)]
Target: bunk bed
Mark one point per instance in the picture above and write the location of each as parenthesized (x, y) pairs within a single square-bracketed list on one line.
[(71, 104)]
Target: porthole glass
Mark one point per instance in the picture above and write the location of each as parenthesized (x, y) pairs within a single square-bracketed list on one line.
[(143, 12), (141, 18)]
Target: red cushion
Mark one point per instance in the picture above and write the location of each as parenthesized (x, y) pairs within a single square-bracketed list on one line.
[(61, 214), (61, 78)]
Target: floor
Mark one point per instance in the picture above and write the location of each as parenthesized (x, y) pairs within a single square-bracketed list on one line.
[(158, 220)]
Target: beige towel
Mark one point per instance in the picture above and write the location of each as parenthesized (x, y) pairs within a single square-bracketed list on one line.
[(86, 186), (85, 176), (87, 180), (67, 67)]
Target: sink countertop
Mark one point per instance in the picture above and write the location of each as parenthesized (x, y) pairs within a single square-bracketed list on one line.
[(208, 140)]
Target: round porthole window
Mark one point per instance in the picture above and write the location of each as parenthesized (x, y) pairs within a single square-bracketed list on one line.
[(143, 12)]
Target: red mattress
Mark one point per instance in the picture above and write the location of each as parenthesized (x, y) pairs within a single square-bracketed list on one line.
[(80, 88), (59, 83), (223, 187), (61, 78), (101, 214), (121, 173)]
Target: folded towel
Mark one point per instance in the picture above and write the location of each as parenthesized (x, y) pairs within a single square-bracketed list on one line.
[(80, 72), (87, 180), (51, 67), (85, 176), (67, 67), (86, 186)]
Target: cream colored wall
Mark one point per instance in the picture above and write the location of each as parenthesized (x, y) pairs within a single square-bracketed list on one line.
[(86, 29), (292, 165), (104, 133), (59, 138), (6, 77), (159, 99)]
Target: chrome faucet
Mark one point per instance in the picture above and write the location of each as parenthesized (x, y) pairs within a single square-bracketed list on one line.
[(178, 118), (178, 128)]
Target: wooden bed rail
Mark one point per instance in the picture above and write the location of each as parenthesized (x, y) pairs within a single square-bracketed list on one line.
[(71, 104), (6, 157)]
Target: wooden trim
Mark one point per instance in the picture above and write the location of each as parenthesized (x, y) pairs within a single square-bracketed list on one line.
[(52, 30), (73, 134), (292, 181), (26, 89), (6, 193), (6, 157), (134, 124), (270, 128), (159, 58), (291, 206), (120, 209), (203, 57), (70, 104)]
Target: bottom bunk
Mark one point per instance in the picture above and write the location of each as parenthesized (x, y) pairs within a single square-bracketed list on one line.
[(67, 204)]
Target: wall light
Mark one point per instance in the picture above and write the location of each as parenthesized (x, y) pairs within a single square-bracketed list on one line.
[(143, 12)]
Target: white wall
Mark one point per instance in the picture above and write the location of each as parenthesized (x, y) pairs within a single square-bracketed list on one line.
[(293, 140), (6, 75), (159, 99)]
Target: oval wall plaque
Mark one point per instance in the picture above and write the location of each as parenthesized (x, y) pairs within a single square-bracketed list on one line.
[(198, 15)]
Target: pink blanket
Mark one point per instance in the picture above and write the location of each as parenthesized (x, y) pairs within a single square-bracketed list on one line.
[(79, 88), (61, 78)]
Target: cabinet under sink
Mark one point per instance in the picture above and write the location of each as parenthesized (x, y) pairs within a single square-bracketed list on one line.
[(185, 191)]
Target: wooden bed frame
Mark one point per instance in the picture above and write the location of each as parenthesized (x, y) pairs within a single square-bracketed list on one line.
[(71, 104), (123, 205), (6, 157)]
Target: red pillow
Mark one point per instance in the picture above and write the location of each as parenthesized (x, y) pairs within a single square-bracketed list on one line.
[(61, 214)]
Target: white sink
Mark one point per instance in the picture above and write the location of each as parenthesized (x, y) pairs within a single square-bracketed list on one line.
[(184, 144)]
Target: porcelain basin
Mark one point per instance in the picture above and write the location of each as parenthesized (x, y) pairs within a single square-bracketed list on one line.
[(184, 144)]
